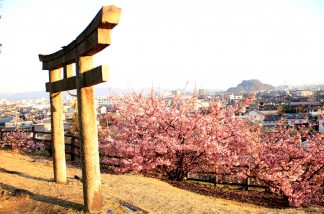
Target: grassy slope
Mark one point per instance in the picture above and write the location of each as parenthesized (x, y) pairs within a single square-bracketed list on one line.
[(149, 194)]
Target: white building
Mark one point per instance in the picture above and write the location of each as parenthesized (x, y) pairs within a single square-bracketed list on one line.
[(42, 127), (256, 116), (200, 103), (4, 102), (303, 93), (321, 125), (102, 110), (296, 119), (235, 97), (270, 123), (102, 101), (12, 125)]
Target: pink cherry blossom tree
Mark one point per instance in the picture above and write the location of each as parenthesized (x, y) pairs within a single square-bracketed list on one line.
[(149, 134), (292, 167), (21, 141), (174, 137)]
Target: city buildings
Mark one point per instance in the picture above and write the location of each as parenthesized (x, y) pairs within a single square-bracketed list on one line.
[(268, 108)]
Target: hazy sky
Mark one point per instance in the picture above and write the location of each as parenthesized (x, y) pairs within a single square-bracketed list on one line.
[(215, 43)]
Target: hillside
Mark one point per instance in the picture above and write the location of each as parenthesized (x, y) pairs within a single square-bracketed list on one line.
[(26, 187), (247, 86)]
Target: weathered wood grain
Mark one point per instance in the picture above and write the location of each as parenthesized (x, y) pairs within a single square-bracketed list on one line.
[(59, 164), (89, 78), (92, 194)]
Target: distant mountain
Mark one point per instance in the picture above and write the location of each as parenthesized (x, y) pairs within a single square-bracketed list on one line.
[(24, 95), (247, 86), (99, 91)]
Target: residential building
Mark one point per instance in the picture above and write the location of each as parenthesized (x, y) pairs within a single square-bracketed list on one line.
[(321, 125), (42, 127), (296, 119), (102, 101), (3, 121), (303, 93), (256, 116), (235, 97)]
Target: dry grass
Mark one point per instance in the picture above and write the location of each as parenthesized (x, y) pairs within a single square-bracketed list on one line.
[(148, 194)]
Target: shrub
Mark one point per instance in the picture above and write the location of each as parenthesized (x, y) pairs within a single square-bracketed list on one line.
[(21, 141)]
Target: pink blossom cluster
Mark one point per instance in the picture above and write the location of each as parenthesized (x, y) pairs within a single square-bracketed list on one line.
[(174, 137)]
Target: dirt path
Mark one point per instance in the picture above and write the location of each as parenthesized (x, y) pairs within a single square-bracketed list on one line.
[(40, 195)]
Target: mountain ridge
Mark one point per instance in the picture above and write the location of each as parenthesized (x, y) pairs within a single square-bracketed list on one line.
[(247, 86)]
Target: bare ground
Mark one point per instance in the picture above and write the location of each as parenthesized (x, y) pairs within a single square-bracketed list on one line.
[(26, 186)]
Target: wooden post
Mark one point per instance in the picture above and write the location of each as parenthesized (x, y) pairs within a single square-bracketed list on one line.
[(50, 149), (248, 181), (216, 177), (93, 199), (72, 148), (33, 133), (57, 130)]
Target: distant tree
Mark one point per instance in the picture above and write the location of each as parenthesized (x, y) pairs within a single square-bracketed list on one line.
[(75, 125), (281, 109)]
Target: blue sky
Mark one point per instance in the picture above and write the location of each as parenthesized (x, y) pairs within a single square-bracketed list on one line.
[(213, 43)]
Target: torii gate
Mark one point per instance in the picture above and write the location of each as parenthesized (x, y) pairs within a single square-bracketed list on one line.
[(80, 51)]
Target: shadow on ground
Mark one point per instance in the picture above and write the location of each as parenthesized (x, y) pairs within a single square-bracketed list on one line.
[(24, 175), (43, 198)]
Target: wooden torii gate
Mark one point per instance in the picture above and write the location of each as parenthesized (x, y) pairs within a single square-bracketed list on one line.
[(80, 51)]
